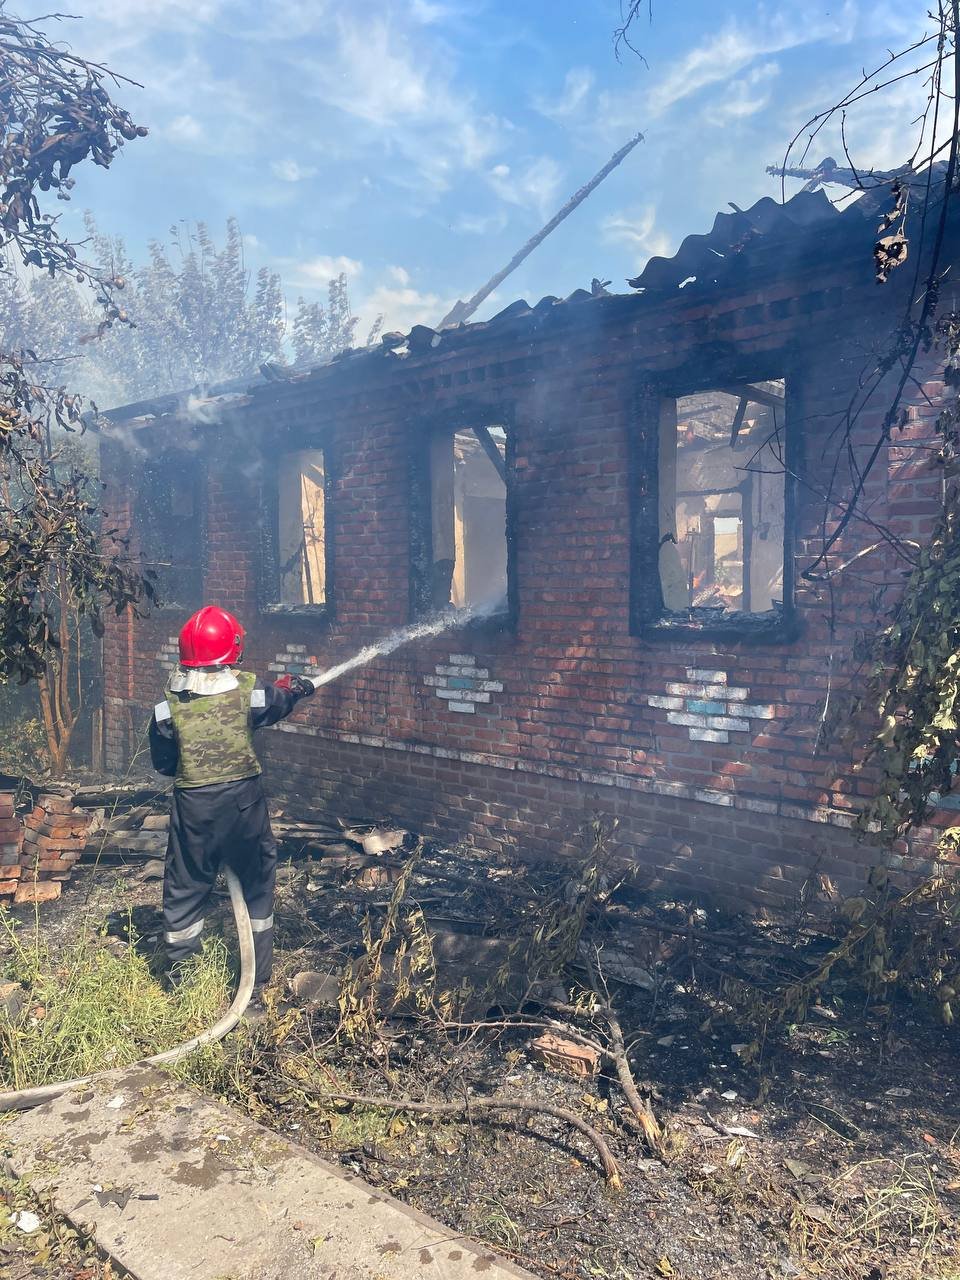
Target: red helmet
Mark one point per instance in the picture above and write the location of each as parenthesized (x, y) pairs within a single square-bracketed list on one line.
[(211, 638)]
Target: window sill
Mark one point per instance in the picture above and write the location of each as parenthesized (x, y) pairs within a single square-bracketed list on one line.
[(319, 612), (773, 627)]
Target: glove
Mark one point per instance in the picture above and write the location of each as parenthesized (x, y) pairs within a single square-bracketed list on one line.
[(299, 686)]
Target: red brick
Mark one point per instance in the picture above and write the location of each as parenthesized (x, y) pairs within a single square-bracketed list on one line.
[(38, 891)]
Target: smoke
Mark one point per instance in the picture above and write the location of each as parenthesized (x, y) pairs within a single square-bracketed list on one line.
[(405, 635)]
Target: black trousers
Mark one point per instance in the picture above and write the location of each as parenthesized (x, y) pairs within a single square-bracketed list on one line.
[(226, 824)]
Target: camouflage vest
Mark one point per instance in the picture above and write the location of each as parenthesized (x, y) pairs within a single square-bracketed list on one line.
[(214, 738)]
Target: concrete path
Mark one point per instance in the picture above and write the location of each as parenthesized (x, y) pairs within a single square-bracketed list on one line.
[(177, 1187)]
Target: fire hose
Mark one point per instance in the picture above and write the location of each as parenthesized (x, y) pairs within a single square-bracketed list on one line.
[(22, 1099)]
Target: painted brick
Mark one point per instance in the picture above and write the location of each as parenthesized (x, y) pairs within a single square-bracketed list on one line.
[(464, 695), (690, 721), (709, 735), (668, 704), (467, 708), (706, 677), (706, 708), (682, 690), (729, 723)]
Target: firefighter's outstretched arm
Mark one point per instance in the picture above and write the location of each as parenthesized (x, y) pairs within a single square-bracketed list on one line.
[(276, 701)]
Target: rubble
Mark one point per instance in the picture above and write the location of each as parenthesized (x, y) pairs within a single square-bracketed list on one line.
[(39, 853), (570, 1057)]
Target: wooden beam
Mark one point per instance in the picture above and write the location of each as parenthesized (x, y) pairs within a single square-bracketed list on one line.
[(738, 421), (462, 311), (756, 394), (491, 450)]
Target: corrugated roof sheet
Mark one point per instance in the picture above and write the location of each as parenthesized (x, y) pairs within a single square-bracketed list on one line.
[(704, 258)]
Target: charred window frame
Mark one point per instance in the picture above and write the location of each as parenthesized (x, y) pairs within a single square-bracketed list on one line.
[(434, 577), (654, 493), (296, 572), (171, 515)]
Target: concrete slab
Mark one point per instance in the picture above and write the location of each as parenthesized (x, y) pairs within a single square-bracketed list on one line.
[(178, 1187)]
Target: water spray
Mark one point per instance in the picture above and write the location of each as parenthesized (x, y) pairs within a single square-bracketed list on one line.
[(404, 635)]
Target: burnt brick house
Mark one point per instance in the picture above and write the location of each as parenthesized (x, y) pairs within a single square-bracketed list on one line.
[(614, 498)]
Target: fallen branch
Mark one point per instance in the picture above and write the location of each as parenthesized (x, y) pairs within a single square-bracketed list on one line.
[(639, 1106), (466, 1109), (616, 1052)]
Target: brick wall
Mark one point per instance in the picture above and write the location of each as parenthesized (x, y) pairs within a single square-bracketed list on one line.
[(707, 749)]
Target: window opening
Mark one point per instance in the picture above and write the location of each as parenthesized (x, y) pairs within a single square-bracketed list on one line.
[(169, 518), (301, 540), (468, 499), (722, 491)]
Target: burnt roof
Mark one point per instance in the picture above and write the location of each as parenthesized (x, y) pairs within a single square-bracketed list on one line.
[(701, 262), (704, 258)]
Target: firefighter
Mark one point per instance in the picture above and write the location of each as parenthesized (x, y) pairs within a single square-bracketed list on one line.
[(202, 736)]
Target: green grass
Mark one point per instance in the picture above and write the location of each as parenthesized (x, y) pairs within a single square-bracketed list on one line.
[(92, 1008)]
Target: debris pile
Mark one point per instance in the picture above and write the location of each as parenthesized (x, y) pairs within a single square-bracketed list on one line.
[(37, 855)]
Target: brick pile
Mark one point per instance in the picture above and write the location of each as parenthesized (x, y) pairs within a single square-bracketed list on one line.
[(37, 856), (10, 840)]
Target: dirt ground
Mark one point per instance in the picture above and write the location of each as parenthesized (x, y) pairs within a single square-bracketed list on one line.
[(837, 1155)]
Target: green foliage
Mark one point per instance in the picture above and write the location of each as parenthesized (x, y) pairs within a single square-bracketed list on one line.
[(915, 678), (55, 113), (889, 941), (199, 317), (90, 1008), (23, 743), (318, 332)]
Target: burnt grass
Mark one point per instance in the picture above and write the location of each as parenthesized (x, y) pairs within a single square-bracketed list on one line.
[(837, 1154)]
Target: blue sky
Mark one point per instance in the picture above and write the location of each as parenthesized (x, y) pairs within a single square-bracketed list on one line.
[(416, 145)]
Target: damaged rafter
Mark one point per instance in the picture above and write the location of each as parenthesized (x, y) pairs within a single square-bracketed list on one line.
[(756, 395), (489, 446)]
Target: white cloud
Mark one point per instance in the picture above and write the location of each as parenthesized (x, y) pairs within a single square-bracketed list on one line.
[(576, 86), (636, 228), (746, 96), (402, 85), (428, 13), (400, 275), (316, 272), (726, 53), (479, 225), (535, 186), (184, 129), (402, 306), (291, 171), (373, 75), (161, 14)]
